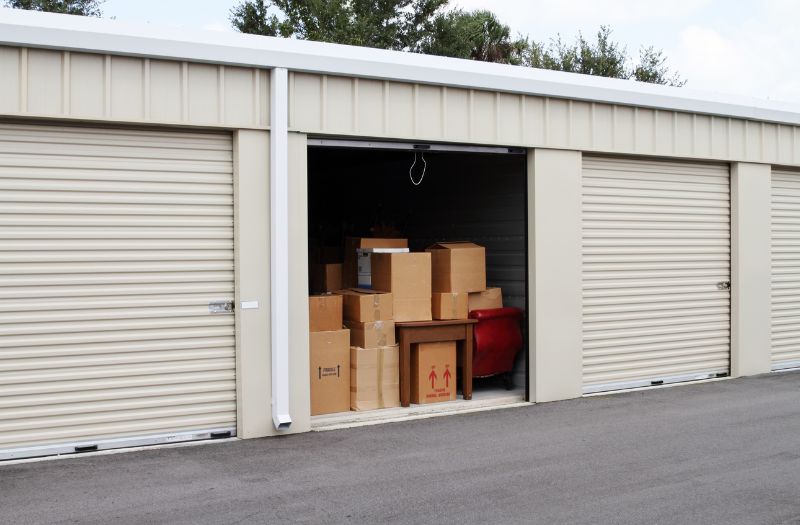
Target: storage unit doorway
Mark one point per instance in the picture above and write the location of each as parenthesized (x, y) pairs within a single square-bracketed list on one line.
[(428, 193), (656, 272), (116, 250)]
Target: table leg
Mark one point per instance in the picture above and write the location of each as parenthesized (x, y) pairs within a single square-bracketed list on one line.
[(405, 369), (466, 366)]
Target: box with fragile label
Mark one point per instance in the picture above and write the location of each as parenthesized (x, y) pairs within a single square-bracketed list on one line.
[(408, 277), (486, 300), (330, 371), (458, 267), (352, 244), (433, 372), (371, 335), (326, 277), (449, 305), (365, 263), (325, 312), (374, 378), (365, 306)]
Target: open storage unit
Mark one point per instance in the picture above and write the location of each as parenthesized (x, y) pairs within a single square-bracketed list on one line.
[(427, 194)]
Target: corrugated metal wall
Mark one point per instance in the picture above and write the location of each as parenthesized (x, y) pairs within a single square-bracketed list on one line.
[(64, 84), (656, 243), (785, 269), (327, 104), (112, 244)]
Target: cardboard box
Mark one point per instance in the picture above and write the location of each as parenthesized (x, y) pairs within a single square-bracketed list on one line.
[(352, 244), (371, 335), (489, 298), (326, 277), (451, 305), (374, 378), (458, 267), (433, 372), (364, 263), (325, 312), (330, 371), (365, 306), (408, 277)]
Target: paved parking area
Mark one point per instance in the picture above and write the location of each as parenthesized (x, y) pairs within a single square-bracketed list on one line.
[(721, 452)]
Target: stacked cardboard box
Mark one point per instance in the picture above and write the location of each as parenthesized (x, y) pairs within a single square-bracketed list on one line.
[(459, 280), (374, 356), (408, 277), (329, 355)]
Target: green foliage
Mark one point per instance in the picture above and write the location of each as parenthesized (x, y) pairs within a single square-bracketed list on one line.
[(425, 26), (385, 24), (475, 35), (70, 7)]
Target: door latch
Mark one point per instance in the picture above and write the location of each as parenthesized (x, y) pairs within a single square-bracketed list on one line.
[(220, 307), (724, 285)]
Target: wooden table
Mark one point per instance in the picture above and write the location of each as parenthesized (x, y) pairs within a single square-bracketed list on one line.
[(408, 333)]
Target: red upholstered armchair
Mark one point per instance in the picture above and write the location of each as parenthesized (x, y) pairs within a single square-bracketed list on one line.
[(498, 338)]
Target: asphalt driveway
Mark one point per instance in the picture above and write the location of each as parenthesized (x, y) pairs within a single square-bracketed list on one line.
[(722, 452)]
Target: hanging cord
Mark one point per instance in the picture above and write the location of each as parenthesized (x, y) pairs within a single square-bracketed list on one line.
[(424, 167)]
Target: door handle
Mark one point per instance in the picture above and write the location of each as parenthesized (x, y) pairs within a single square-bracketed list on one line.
[(724, 285)]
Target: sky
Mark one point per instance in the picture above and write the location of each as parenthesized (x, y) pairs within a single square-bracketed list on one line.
[(741, 47)]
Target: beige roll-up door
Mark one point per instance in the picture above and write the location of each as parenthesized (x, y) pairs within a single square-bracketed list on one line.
[(785, 270), (656, 272), (112, 245)]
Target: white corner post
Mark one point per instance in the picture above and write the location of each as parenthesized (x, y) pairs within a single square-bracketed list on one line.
[(554, 274), (751, 268), (279, 245)]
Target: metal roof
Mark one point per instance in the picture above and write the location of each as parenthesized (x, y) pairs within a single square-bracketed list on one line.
[(76, 33)]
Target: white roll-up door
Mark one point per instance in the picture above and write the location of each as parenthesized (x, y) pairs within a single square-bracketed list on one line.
[(112, 245), (785, 270), (656, 272)]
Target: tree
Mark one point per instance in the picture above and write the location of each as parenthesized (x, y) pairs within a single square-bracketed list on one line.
[(476, 35), (385, 24), (604, 57), (425, 26), (69, 7)]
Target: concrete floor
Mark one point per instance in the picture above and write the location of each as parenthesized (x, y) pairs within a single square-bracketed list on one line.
[(721, 452)]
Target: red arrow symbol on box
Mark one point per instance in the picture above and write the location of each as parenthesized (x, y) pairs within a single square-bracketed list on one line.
[(446, 377), (432, 377)]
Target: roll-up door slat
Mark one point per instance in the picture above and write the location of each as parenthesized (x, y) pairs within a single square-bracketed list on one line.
[(112, 244), (656, 241), (785, 269)]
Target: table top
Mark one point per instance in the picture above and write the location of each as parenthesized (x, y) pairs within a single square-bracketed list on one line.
[(419, 324)]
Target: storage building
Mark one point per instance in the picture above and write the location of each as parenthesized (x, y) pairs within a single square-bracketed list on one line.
[(160, 189)]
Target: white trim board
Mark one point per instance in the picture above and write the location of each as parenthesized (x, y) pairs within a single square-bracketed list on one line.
[(75, 33)]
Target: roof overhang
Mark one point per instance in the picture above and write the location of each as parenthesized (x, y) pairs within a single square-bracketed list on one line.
[(93, 35)]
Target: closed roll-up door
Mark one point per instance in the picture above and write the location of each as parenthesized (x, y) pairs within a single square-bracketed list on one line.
[(112, 245), (785, 270), (656, 272)]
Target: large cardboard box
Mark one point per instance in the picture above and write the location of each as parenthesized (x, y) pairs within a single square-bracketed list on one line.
[(365, 263), (450, 305), (352, 244), (433, 372), (366, 306), (330, 371), (408, 277), (325, 312), (371, 335), (374, 378), (326, 277), (487, 299), (458, 267)]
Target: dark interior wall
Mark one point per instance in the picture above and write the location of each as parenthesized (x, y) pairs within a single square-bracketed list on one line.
[(463, 196)]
